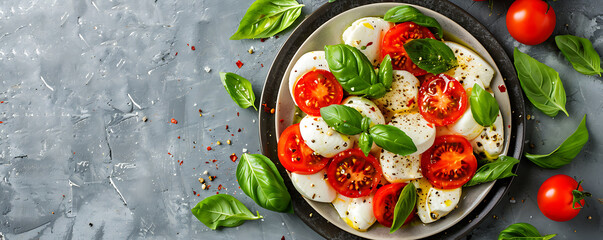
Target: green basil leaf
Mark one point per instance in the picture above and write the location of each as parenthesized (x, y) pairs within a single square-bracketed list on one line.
[(222, 211), (566, 152), (342, 118), (386, 72), (580, 53), (431, 55), (354, 71), (260, 180), (239, 89), (522, 231), (498, 169), (392, 139), (332, 1), (411, 14), (365, 142), (404, 206), (265, 18), (366, 124), (483, 106), (540, 83)]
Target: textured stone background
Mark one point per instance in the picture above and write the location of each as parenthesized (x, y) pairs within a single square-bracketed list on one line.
[(77, 78)]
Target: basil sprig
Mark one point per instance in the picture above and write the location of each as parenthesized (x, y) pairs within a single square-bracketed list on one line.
[(265, 18), (354, 71), (411, 14), (498, 169), (566, 152), (483, 106), (260, 180), (349, 121), (386, 73), (343, 119), (520, 231), (239, 89), (540, 83), (392, 139), (404, 206), (580, 53), (222, 211), (431, 55)]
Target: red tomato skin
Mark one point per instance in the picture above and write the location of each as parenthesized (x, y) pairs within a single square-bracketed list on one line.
[(396, 37), (450, 87), (307, 162), (555, 198), (343, 188), (458, 148), (317, 87), (382, 195), (529, 22)]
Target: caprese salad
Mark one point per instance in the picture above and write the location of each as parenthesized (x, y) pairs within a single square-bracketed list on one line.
[(363, 178)]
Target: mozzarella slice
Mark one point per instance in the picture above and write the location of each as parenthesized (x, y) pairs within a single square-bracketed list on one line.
[(307, 62), (472, 68), (421, 132), (314, 186), (489, 144), (466, 126), (321, 138), (368, 109), (366, 34), (434, 203), (403, 94), (356, 212), (398, 168)]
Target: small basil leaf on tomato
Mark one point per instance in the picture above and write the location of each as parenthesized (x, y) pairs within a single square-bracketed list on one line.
[(392, 139), (365, 142), (540, 83), (222, 210), (353, 70), (501, 168), (431, 55), (483, 106), (411, 14), (566, 152), (342, 118), (519, 231), (404, 206), (580, 53), (365, 124), (239, 89), (260, 180), (386, 73), (265, 18)]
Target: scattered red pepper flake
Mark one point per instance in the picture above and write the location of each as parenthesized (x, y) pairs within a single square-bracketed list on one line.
[(187, 44), (282, 120), (176, 54), (178, 137), (214, 160), (174, 121), (232, 135), (262, 39), (181, 162), (239, 63), (237, 114), (63, 195), (266, 108), (226, 126), (169, 153), (502, 88), (233, 157), (220, 187), (194, 192), (208, 148), (509, 126), (1, 122), (1, 101), (217, 192), (207, 162), (411, 102), (239, 130), (193, 48), (262, 64), (283, 238), (198, 194), (272, 111)]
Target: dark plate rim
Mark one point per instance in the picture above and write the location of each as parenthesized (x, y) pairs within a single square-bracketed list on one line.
[(271, 87)]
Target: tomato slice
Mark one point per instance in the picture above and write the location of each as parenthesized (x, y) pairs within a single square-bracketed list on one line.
[(393, 44), (385, 201), (316, 89), (449, 163), (353, 174), (296, 156), (442, 100)]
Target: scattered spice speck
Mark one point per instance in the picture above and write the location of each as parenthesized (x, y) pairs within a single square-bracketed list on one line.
[(250, 50), (233, 157), (208, 148), (218, 143), (207, 69), (145, 119), (228, 142), (239, 63), (176, 54), (193, 48), (174, 121), (201, 180)]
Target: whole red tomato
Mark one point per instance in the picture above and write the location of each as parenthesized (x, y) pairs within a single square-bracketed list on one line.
[(531, 22), (557, 199)]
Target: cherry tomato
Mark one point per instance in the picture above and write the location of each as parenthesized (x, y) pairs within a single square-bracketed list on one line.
[(352, 174), (442, 100), (531, 22), (296, 156), (555, 198), (316, 89), (449, 163), (393, 44), (385, 201)]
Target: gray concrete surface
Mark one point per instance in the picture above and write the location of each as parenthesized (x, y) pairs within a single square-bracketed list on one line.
[(77, 161)]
